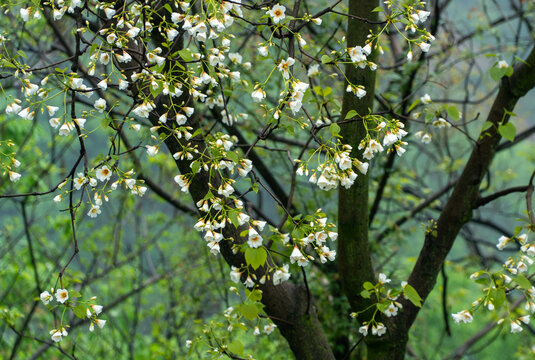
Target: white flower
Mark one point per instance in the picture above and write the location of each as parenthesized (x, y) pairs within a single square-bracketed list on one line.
[(235, 58), (255, 240), (389, 139), (426, 99), (360, 92), (100, 323), (25, 14), (392, 310), (45, 297), (235, 274), (268, 329), (76, 83), (502, 64), (364, 330), (409, 56), (258, 95), (177, 17), (298, 257), (103, 174), (100, 105), (249, 283), (133, 32), (284, 67), (96, 308), (383, 279), (263, 50), (277, 13), (462, 316), (14, 176), (109, 12), (62, 295), (152, 150), (51, 110), (13, 108), (515, 328), (379, 330), (424, 46), (281, 275), (502, 242), (441, 123), (420, 16), (80, 122), (94, 211), (56, 335), (26, 114), (313, 70)]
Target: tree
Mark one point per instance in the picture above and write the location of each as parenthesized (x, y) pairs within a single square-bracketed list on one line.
[(262, 113)]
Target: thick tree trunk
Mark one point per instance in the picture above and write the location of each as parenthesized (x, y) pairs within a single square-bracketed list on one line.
[(354, 262)]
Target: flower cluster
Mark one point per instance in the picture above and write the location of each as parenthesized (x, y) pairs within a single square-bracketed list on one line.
[(392, 133), (503, 282), (8, 162), (387, 303), (82, 309)]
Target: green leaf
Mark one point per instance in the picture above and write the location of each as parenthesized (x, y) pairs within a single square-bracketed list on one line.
[(195, 166), (378, 9), (233, 156), (382, 307), (80, 311), (326, 59), (334, 129), (365, 294), (249, 311), (429, 116), (74, 294), (413, 105), (327, 91), (412, 295), (368, 286), (254, 295), (236, 347), (497, 73), (523, 281), (507, 131), (185, 54), (256, 257), (508, 71), (234, 218), (499, 298), (453, 113), (297, 233), (486, 125), (351, 114)]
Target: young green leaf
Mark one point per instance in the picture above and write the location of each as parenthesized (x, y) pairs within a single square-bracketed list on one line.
[(412, 295)]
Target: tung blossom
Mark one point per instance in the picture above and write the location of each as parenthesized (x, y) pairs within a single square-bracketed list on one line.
[(62, 295), (462, 316), (284, 67), (45, 297), (277, 13), (103, 173), (100, 105)]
